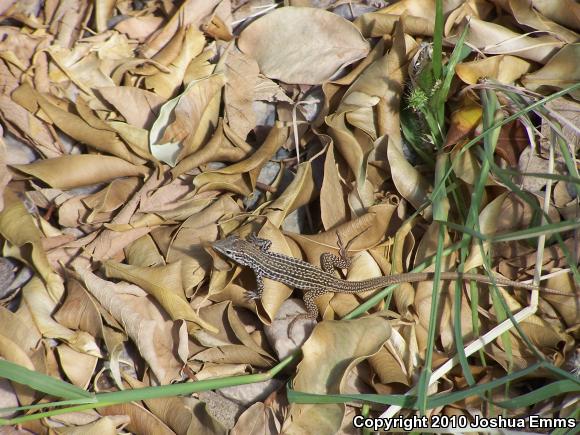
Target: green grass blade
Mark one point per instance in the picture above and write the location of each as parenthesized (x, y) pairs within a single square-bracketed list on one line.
[(540, 394), (41, 382)]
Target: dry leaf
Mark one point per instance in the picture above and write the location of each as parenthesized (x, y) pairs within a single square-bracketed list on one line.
[(503, 68), (322, 44), (137, 133), (187, 121), (561, 71), (241, 74), (72, 171), (332, 350)]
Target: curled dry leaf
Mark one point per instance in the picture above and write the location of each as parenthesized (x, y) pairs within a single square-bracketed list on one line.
[(5, 175), (11, 351), (241, 73), (82, 79), (561, 303), (525, 14), (86, 128), (17, 328), (419, 8), (464, 121), (409, 181), (331, 351), (333, 209), (187, 243), (550, 339), (370, 106), (81, 66), (503, 68), (18, 227), (492, 38), (77, 366), (232, 344), (138, 106), (297, 194), (164, 284), (110, 198), (224, 146), (379, 23), (181, 414), (189, 13), (241, 177), (565, 12), (139, 28), (152, 333), (41, 307), (561, 71), (176, 56), (322, 44), (79, 311), (362, 233), (394, 361), (259, 418), (187, 121), (506, 212), (28, 128), (141, 420), (68, 172)]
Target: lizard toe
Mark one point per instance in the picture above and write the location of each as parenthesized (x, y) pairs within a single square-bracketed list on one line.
[(252, 296)]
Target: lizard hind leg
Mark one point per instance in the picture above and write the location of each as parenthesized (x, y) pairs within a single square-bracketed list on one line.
[(328, 262), (311, 308)]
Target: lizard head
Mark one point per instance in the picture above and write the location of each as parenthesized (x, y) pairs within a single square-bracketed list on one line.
[(236, 249)]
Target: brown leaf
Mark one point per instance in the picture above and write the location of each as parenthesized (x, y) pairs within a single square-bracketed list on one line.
[(492, 38), (187, 121), (18, 227), (332, 350), (322, 44), (68, 172), (333, 209), (503, 68), (154, 335), (29, 128), (241, 73), (223, 146), (241, 177), (139, 107), (164, 284), (560, 71), (380, 23), (176, 56)]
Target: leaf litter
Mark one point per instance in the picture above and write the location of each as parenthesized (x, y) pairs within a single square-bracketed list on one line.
[(134, 134)]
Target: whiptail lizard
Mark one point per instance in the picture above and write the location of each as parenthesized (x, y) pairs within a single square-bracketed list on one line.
[(255, 253)]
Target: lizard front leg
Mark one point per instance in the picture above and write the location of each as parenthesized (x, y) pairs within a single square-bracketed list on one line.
[(257, 294), (263, 244)]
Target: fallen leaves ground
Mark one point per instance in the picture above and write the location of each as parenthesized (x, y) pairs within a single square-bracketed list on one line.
[(135, 133)]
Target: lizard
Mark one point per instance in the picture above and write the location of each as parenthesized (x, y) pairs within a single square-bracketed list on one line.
[(315, 281)]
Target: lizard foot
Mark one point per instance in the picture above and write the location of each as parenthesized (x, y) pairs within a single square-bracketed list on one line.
[(297, 320), (252, 295)]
